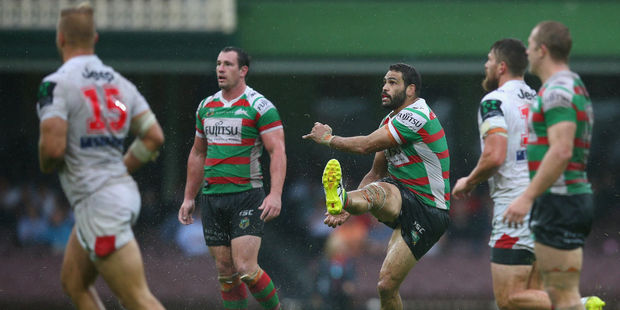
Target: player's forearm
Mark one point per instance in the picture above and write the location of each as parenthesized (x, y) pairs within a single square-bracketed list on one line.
[(357, 145), (50, 158), (550, 169), (195, 174), (487, 166), (370, 177), (277, 170)]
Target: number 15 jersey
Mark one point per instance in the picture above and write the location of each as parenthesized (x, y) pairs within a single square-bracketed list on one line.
[(98, 105)]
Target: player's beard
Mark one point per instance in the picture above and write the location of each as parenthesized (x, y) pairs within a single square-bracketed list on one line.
[(490, 83), (396, 101)]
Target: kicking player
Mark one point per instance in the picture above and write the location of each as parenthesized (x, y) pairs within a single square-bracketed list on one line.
[(407, 187), (502, 122), (87, 110), (559, 194), (231, 128)]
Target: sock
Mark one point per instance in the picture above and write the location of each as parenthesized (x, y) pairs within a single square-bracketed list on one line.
[(234, 292), (262, 289)]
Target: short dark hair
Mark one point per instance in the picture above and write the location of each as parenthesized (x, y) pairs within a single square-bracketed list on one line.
[(512, 52), (410, 76), (242, 56), (556, 37)]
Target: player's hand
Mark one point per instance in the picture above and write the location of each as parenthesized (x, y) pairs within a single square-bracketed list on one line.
[(321, 133), (333, 220), (462, 188), (517, 210), (271, 206), (186, 210)]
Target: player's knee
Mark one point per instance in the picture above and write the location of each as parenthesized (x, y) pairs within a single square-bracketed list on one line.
[(375, 195), (250, 276), (387, 286)]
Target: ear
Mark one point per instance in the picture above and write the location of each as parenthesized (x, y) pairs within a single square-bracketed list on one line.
[(502, 67), (96, 38), (244, 71), (544, 50), (410, 90)]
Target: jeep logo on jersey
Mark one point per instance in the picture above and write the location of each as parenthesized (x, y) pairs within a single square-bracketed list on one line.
[(98, 75), (526, 95), (223, 130), (411, 120)]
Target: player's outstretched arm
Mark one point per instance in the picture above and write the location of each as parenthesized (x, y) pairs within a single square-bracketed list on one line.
[(52, 143), (274, 144), (379, 140), (149, 138), (195, 177)]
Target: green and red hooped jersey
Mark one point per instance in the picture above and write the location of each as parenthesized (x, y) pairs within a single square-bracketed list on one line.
[(232, 129), (563, 98), (421, 161)]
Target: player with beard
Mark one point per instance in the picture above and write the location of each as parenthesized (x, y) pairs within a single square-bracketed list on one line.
[(407, 187), (502, 122)]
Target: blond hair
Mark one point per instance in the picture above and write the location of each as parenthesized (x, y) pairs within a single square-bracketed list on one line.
[(77, 24)]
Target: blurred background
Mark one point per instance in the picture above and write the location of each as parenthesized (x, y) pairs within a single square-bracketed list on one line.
[(316, 61)]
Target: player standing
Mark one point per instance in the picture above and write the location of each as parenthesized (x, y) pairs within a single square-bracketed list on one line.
[(87, 110), (231, 128), (560, 123), (502, 122)]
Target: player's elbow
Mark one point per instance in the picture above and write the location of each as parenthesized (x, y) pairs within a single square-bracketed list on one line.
[(563, 152)]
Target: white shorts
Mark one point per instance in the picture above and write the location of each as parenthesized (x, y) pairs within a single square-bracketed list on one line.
[(504, 237), (104, 219)]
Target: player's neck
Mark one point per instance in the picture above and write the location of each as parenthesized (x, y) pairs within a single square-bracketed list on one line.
[(69, 53), (405, 104), (550, 69), (230, 94), (507, 78)]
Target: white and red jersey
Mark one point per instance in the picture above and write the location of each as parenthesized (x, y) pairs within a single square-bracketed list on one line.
[(98, 105), (506, 110)]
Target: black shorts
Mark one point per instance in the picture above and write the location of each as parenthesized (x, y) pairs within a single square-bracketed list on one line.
[(228, 216), (512, 256), (562, 221), (421, 225)]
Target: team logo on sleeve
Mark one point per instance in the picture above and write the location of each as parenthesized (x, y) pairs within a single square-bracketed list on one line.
[(263, 106), (45, 96), (490, 108)]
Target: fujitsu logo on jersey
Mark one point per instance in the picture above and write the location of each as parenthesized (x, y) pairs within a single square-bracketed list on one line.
[(220, 129), (223, 130), (409, 118), (98, 75)]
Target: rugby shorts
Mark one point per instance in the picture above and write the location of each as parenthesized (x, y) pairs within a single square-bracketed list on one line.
[(562, 221), (104, 219), (228, 216), (421, 225), (510, 245)]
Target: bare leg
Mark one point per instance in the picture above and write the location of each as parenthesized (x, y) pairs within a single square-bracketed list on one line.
[(561, 270), (78, 276), (123, 271), (398, 262), (512, 290), (381, 199)]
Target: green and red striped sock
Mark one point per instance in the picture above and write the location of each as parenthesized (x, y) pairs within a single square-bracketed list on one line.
[(234, 293), (263, 290)]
